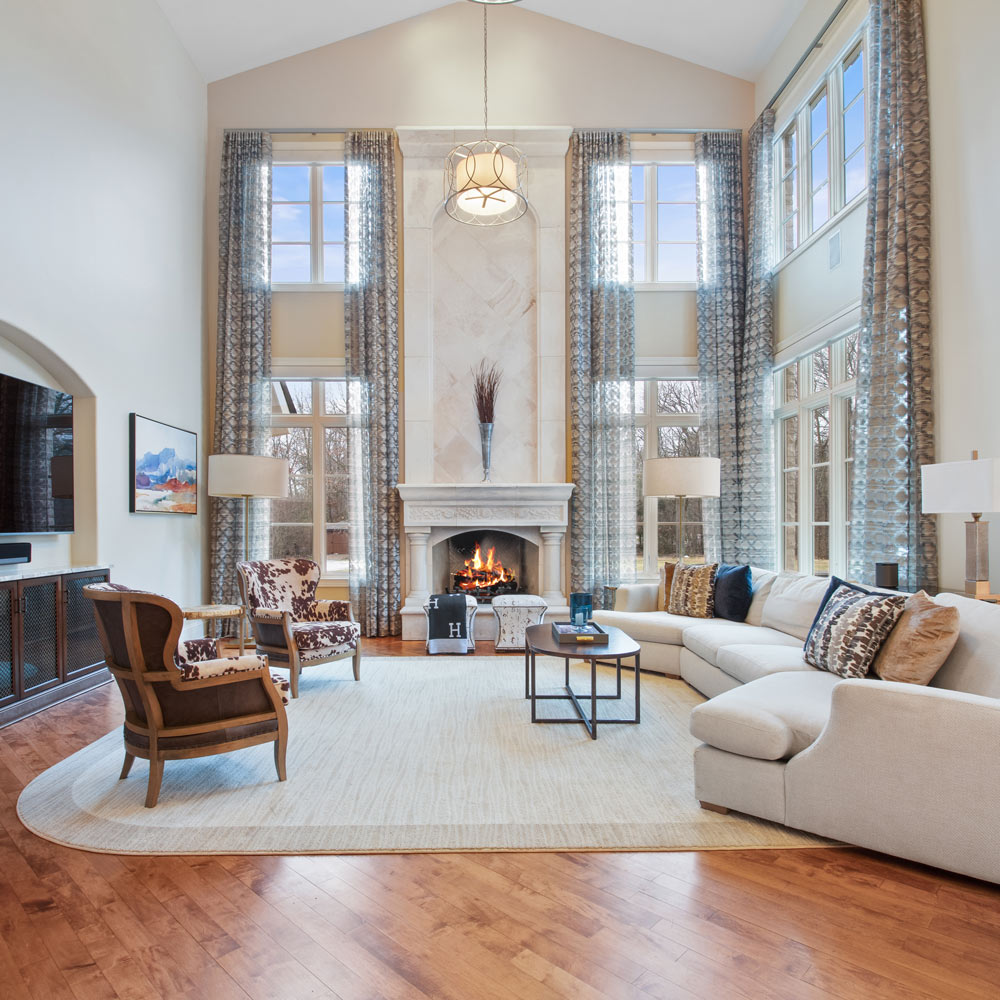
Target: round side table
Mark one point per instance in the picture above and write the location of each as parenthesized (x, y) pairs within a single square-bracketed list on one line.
[(210, 613)]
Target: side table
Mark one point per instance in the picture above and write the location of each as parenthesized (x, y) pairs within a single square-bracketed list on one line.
[(210, 613)]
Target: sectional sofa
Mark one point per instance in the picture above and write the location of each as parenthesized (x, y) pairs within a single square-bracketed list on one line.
[(907, 770)]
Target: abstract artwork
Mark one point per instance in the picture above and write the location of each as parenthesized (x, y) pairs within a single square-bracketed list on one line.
[(164, 468)]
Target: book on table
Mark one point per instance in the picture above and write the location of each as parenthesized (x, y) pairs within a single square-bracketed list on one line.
[(589, 632)]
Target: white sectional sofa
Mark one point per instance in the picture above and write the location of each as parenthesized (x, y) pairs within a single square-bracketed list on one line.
[(899, 768)]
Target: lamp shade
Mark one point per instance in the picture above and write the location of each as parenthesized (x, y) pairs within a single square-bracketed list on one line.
[(682, 477), (247, 476), (961, 487)]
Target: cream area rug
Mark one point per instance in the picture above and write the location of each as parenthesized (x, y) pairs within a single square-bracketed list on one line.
[(424, 754)]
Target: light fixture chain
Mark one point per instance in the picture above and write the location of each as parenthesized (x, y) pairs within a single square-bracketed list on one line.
[(486, 119)]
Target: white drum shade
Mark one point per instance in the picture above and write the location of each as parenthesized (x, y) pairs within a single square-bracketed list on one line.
[(247, 476), (681, 477), (961, 487)]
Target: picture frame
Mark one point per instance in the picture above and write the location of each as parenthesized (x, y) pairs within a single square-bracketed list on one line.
[(163, 467)]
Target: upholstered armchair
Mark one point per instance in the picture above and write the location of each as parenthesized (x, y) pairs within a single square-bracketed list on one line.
[(290, 625), (181, 699)]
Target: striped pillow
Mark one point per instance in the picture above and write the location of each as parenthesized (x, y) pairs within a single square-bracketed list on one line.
[(849, 632), (692, 591)]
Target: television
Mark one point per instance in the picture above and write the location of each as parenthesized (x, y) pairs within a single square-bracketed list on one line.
[(36, 458)]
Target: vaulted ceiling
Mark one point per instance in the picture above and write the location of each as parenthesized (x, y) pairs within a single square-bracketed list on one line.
[(229, 36)]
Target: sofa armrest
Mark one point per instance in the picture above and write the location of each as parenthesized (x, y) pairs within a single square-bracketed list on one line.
[(636, 597), (907, 770)]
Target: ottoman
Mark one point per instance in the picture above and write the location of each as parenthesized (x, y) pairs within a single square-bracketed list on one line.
[(514, 613), (471, 607)]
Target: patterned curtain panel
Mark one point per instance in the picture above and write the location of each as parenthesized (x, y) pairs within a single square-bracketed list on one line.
[(371, 324), (243, 349), (755, 542), (602, 364), (894, 421), (721, 301)]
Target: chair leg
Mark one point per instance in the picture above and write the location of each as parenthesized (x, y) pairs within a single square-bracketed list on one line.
[(280, 746), (155, 779), (293, 677), (357, 662), (127, 766)]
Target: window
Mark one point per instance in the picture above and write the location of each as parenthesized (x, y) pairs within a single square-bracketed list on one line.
[(309, 428), (815, 448), (667, 419), (819, 155), (664, 223), (307, 223)]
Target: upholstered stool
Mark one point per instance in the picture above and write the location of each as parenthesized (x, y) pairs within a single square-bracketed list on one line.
[(471, 607), (514, 613)]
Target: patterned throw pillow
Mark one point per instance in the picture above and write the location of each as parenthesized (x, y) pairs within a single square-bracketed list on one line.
[(849, 633), (692, 591)]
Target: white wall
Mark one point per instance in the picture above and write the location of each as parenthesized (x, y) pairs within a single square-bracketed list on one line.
[(102, 201)]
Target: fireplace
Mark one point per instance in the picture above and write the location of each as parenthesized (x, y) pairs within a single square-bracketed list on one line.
[(486, 564)]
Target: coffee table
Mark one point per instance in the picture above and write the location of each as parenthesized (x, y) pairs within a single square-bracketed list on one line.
[(538, 639)]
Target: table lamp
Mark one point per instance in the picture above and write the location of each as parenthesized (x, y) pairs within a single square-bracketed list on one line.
[(249, 477), (962, 488), (681, 478)]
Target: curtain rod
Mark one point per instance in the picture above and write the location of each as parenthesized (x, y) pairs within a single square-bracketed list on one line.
[(808, 52), (615, 128)]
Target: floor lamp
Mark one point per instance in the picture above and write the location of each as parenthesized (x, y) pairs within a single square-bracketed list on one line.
[(681, 478), (249, 477)]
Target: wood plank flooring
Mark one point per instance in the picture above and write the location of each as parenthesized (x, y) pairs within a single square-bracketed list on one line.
[(788, 925)]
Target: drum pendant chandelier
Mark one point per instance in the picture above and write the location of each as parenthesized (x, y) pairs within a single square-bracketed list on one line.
[(484, 180)]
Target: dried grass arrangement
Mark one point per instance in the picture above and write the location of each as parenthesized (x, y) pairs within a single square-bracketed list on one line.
[(485, 388)]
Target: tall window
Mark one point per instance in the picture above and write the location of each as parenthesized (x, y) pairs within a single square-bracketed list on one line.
[(667, 419), (855, 168), (815, 409), (307, 224), (788, 176), (308, 427), (664, 223), (819, 161)]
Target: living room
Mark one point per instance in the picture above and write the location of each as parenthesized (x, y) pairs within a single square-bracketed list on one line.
[(707, 238)]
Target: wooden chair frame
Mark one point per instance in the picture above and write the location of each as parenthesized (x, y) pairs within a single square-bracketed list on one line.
[(154, 729)]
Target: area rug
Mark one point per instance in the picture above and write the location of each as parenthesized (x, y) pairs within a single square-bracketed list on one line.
[(424, 754)]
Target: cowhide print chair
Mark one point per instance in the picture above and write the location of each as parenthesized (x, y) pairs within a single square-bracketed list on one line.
[(290, 624), (182, 700)]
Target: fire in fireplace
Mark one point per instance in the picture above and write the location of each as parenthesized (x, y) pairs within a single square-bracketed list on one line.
[(485, 577), (485, 564)]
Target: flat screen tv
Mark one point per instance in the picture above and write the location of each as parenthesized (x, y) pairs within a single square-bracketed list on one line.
[(36, 458)]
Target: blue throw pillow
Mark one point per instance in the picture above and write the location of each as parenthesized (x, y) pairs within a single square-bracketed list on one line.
[(733, 592), (835, 583)]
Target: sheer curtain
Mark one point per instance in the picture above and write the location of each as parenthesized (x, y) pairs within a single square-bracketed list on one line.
[(371, 326), (602, 364), (894, 418), (243, 345)]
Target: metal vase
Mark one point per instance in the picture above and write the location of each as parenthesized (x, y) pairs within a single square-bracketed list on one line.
[(486, 443)]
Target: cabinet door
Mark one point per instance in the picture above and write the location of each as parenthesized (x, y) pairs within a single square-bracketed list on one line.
[(83, 645), (41, 620), (8, 632)]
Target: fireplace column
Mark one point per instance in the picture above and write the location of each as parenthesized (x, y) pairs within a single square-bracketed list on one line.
[(552, 592), (419, 585)]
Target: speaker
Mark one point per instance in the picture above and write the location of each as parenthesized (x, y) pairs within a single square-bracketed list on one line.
[(15, 552)]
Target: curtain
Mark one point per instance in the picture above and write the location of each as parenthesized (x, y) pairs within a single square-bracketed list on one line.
[(721, 301), (894, 418), (371, 325), (755, 542), (243, 345), (602, 364)]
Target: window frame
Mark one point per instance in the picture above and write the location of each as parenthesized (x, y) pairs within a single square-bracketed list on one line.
[(317, 422)]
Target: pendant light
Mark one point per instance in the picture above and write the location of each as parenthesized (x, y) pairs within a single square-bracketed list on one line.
[(484, 180)]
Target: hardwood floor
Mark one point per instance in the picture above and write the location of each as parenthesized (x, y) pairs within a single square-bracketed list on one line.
[(790, 925)]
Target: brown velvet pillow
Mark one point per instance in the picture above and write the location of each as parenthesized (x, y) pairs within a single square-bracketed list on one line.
[(692, 591), (920, 643), (666, 578)]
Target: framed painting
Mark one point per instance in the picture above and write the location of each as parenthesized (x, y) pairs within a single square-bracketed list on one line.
[(164, 468)]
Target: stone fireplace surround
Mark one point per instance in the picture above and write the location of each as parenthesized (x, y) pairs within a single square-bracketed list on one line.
[(432, 512)]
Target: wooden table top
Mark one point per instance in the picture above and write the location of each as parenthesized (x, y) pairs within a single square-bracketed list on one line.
[(213, 611), (541, 640)]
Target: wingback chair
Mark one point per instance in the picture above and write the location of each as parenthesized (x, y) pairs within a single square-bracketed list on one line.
[(181, 699), (290, 624)]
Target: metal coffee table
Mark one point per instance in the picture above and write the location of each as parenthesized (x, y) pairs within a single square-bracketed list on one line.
[(538, 640)]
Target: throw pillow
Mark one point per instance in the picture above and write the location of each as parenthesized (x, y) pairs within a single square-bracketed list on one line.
[(835, 584), (851, 630), (921, 641), (666, 578), (692, 591), (733, 592)]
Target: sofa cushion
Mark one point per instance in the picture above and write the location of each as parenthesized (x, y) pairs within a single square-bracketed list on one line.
[(921, 641), (974, 664), (648, 626), (746, 662), (692, 591), (832, 587), (761, 581), (733, 591), (663, 591), (772, 718), (705, 639), (792, 604)]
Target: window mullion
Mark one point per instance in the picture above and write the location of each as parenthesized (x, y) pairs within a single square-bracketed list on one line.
[(805, 173), (649, 178), (316, 222), (835, 97)]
